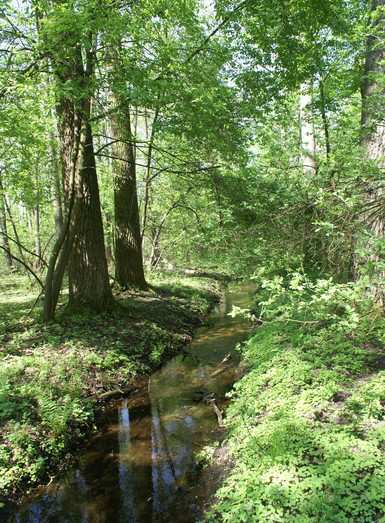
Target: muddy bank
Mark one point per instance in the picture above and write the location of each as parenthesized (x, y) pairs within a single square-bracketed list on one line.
[(143, 464), (57, 380)]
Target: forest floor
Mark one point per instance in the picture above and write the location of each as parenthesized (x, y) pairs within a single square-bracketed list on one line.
[(55, 379)]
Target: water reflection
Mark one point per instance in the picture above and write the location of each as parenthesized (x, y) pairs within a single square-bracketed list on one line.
[(137, 469), (126, 476)]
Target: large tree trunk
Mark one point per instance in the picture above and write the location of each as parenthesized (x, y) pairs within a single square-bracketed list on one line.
[(129, 270), (69, 125), (4, 228), (81, 241), (373, 134), (373, 88), (88, 274)]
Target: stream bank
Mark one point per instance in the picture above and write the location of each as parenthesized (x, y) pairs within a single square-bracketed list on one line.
[(55, 379), (306, 423), (142, 465)]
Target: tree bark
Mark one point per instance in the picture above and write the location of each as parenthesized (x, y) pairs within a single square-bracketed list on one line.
[(88, 274), (156, 253), (147, 180), (373, 88), (15, 233), (57, 186), (325, 120), (373, 134), (129, 271), (81, 242), (37, 234), (312, 247), (37, 223), (69, 125)]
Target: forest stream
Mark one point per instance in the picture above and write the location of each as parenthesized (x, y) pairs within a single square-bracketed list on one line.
[(140, 467)]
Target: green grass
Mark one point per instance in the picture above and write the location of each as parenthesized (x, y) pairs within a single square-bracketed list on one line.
[(307, 427), (52, 376)]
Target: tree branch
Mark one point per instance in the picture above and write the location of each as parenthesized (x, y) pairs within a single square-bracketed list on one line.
[(24, 265)]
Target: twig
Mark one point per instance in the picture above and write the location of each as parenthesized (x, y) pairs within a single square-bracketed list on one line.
[(24, 265)]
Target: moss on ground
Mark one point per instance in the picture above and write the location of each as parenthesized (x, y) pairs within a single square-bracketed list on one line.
[(53, 376)]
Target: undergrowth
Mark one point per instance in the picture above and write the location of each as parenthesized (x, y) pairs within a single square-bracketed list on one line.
[(307, 422)]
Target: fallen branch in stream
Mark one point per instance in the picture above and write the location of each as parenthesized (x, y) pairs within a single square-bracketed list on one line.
[(217, 411), (218, 371), (112, 394), (221, 369)]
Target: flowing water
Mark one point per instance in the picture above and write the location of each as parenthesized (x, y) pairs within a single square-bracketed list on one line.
[(140, 466)]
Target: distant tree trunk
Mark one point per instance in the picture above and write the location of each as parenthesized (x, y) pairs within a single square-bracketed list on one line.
[(148, 178), (312, 249), (4, 229), (217, 183), (57, 185), (308, 142), (30, 220), (15, 233), (37, 224), (109, 224), (129, 271), (373, 131), (156, 230), (325, 120), (37, 234), (156, 253)]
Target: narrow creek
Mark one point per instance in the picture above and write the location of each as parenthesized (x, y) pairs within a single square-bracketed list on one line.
[(140, 466)]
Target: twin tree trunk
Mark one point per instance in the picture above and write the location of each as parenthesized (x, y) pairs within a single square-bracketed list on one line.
[(87, 273), (80, 245), (80, 242), (373, 134), (129, 271)]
